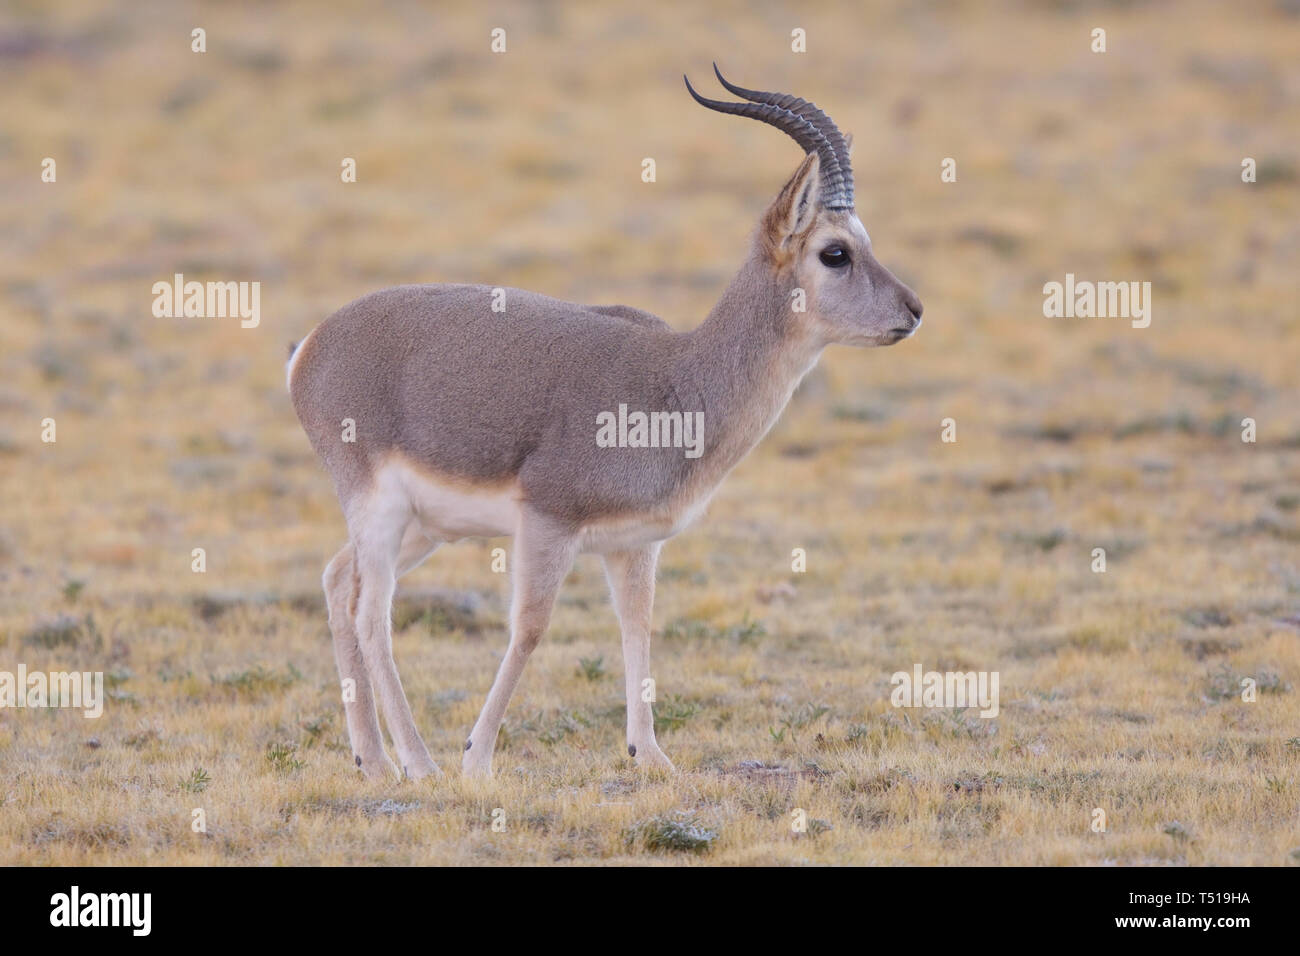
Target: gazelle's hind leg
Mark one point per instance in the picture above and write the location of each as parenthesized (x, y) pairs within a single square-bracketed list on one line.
[(379, 535), (543, 554), (341, 590), (341, 585)]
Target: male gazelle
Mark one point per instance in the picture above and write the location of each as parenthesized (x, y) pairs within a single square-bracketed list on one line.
[(469, 421)]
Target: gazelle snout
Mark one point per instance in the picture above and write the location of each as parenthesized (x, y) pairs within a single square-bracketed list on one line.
[(913, 307), (913, 304), (906, 305)]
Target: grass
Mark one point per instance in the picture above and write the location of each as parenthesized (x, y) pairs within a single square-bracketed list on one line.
[(1120, 691), (672, 832)]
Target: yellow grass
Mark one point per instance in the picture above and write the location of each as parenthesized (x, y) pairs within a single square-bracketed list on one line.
[(1118, 690)]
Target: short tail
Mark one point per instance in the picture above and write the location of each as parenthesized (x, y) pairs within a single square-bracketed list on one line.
[(288, 365)]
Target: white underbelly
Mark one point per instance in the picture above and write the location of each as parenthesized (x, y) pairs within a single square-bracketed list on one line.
[(625, 533), (449, 510)]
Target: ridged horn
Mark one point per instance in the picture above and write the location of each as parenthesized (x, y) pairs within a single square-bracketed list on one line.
[(801, 121)]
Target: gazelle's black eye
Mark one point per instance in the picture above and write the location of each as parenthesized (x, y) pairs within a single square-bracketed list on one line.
[(834, 257)]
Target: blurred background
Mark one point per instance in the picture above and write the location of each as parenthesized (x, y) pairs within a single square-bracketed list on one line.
[(524, 169)]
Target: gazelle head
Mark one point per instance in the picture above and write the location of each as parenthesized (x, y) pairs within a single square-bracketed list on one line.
[(811, 236)]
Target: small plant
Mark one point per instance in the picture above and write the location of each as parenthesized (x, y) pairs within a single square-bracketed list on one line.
[(592, 668), (72, 590), (672, 712), (388, 808), (1224, 683), (1207, 617), (1271, 682), (798, 720), (857, 733), (1045, 540), (196, 782), (767, 803), (563, 725), (817, 826), (123, 697), (1177, 831), (259, 680), (681, 832), (144, 736), (282, 757), (316, 729), (62, 631), (746, 632)]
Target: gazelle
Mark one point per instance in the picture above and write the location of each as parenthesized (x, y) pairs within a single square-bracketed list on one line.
[(470, 422)]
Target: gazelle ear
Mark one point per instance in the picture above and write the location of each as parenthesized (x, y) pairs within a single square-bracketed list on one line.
[(793, 211)]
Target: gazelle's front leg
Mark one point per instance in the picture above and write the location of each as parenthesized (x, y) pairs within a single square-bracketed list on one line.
[(632, 582), (543, 554)]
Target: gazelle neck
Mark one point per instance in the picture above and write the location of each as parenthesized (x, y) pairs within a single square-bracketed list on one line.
[(744, 361)]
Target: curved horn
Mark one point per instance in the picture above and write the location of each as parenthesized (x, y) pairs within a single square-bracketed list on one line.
[(805, 110), (799, 120)]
